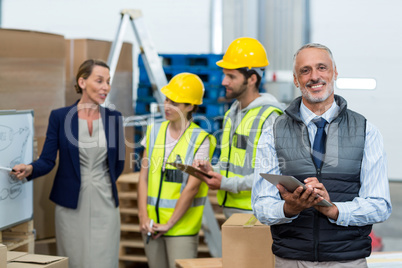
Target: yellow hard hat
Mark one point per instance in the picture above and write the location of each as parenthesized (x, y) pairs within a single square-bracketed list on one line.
[(244, 52), (185, 88)]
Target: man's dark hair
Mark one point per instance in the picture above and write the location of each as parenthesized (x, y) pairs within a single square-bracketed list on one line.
[(247, 73)]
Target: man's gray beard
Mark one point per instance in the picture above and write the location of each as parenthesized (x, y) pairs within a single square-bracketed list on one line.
[(306, 94)]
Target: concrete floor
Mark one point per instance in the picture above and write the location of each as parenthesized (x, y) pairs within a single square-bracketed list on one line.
[(391, 230)]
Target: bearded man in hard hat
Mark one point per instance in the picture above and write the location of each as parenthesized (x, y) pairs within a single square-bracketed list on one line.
[(243, 66)]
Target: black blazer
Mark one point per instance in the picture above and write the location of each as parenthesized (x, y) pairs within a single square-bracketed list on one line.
[(62, 136)]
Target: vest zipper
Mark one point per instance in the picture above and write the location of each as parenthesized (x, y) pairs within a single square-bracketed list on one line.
[(316, 223), (316, 234), (224, 199), (230, 150), (159, 197), (227, 173), (160, 181)]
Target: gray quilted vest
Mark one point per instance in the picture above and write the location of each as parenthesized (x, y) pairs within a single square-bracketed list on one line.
[(312, 237)]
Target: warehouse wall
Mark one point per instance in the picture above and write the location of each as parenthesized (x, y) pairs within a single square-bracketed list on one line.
[(184, 23), (365, 38)]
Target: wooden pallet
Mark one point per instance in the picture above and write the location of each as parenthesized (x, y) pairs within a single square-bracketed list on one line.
[(131, 244), (20, 237), (46, 246)]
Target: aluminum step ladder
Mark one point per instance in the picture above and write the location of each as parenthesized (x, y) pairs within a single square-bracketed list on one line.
[(156, 74), (150, 57)]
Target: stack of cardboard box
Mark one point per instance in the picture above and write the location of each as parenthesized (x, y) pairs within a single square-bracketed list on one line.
[(32, 76), (37, 71)]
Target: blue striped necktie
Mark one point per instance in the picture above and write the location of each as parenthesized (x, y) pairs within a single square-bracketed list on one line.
[(319, 142)]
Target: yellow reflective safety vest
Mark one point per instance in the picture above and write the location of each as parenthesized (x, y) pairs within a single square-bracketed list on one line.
[(166, 186), (238, 151)]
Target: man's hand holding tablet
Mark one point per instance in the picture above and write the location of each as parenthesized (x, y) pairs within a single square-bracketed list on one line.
[(291, 184)]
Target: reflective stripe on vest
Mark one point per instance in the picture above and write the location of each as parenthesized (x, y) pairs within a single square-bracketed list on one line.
[(164, 192), (238, 152), (166, 203)]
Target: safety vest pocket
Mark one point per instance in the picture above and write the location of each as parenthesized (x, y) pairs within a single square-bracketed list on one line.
[(174, 175), (240, 141)]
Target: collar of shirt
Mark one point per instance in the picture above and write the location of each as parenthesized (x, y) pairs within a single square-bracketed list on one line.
[(307, 116)]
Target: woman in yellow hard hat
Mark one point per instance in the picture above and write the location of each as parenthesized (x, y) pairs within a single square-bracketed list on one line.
[(170, 201)]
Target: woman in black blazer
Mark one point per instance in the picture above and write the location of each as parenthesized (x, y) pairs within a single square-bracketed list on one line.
[(90, 143)]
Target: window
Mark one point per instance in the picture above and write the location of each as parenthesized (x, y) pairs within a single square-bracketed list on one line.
[(356, 83)]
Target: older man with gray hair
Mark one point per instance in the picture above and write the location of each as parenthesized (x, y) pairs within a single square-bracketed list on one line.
[(339, 156)]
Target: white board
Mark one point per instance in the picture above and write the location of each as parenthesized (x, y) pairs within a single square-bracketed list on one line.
[(16, 146)]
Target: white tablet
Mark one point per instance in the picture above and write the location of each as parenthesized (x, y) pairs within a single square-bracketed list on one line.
[(290, 183)]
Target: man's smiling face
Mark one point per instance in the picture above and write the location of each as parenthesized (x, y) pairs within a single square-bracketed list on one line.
[(315, 74)]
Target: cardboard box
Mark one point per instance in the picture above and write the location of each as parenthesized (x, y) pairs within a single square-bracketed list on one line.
[(3, 256), (11, 255), (32, 73), (24, 260), (32, 76), (246, 243)]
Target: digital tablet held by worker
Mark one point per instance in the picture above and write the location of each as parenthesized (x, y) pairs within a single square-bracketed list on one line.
[(190, 170), (291, 184)]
